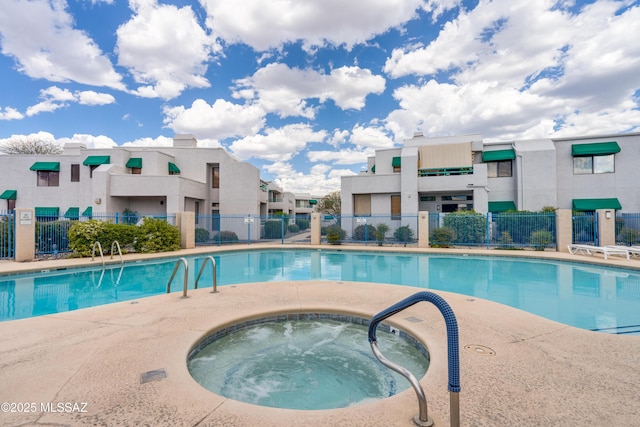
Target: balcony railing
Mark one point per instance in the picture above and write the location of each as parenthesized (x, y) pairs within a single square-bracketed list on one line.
[(445, 171)]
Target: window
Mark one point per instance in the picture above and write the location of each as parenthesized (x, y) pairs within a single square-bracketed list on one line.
[(501, 169), (91, 169), (75, 172), (215, 177), (196, 209), (427, 198), (586, 165), (396, 163), (362, 204), (395, 207), (11, 204), (48, 178)]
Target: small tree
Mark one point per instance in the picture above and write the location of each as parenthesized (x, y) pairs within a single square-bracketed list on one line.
[(330, 204), (381, 232), (32, 144)]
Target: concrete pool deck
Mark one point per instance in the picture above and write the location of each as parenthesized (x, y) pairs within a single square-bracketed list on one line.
[(537, 372)]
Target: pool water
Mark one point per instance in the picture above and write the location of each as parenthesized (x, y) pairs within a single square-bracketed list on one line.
[(304, 364), (581, 295)]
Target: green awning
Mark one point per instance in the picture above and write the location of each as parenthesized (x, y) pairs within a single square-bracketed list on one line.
[(134, 162), (97, 160), (173, 168), (597, 149), (46, 166), (595, 204), (9, 194), (496, 156), (88, 211), (48, 212), (501, 206), (313, 202), (72, 213), (396, 162)]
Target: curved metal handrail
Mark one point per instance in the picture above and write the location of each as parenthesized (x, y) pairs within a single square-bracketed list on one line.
[(422, 419), (93, 252), (186, 276), (115, 243), (215, 269)]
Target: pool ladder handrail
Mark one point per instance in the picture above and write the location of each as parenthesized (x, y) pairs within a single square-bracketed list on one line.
[(93, 252), (215, 269), (186, 276), (116, 244), (423, 419)]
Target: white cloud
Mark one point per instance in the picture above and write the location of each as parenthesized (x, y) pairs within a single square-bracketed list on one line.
[(39, 34), (320, 180), (265, 25), (517, 77), (340, 157), (9, 113), (55, 98), (165, 49), (370, 137), (285, 91), (221, 120), (160, 141), (277, 144), (89, 97)]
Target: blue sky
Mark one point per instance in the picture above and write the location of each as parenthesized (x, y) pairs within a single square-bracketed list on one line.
[(307, 89)]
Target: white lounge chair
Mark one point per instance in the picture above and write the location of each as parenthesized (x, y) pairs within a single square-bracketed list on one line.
[(604, 250), (633, 250)]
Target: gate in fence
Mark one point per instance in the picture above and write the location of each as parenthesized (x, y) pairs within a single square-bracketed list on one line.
[(7, 234)]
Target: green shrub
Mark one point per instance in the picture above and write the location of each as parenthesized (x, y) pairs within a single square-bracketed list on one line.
[(201, 235), (293, 228), (540, 239), (335, 234), (469, 226), (226, 236), (303, 223), (628, 236), (403, 234), (442, 237), (364, 232), (156, 235), (505, 241), (83, 235), (273, 229)]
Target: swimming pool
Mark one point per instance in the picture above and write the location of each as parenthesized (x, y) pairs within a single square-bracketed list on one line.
[(581, 295)]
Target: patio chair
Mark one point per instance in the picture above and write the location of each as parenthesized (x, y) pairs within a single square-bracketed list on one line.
[(593, 250)]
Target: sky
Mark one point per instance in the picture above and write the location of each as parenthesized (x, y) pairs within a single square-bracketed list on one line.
[(306, 90)]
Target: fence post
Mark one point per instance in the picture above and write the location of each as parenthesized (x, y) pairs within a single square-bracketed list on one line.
[(282, 227), (487, 229), (185, 221), (25, 236), (423, 229), (564, 230), (606, 227), (315, 228)]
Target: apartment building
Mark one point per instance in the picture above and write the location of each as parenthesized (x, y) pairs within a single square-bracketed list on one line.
[(156, 181), (446, 174)]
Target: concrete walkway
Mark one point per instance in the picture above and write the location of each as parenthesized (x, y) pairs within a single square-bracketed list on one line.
[(532, 371)]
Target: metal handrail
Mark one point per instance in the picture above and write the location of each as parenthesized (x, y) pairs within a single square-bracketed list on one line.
[(186, 276), (422, 419), (115, 243), (215, 269), (93, 252)]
